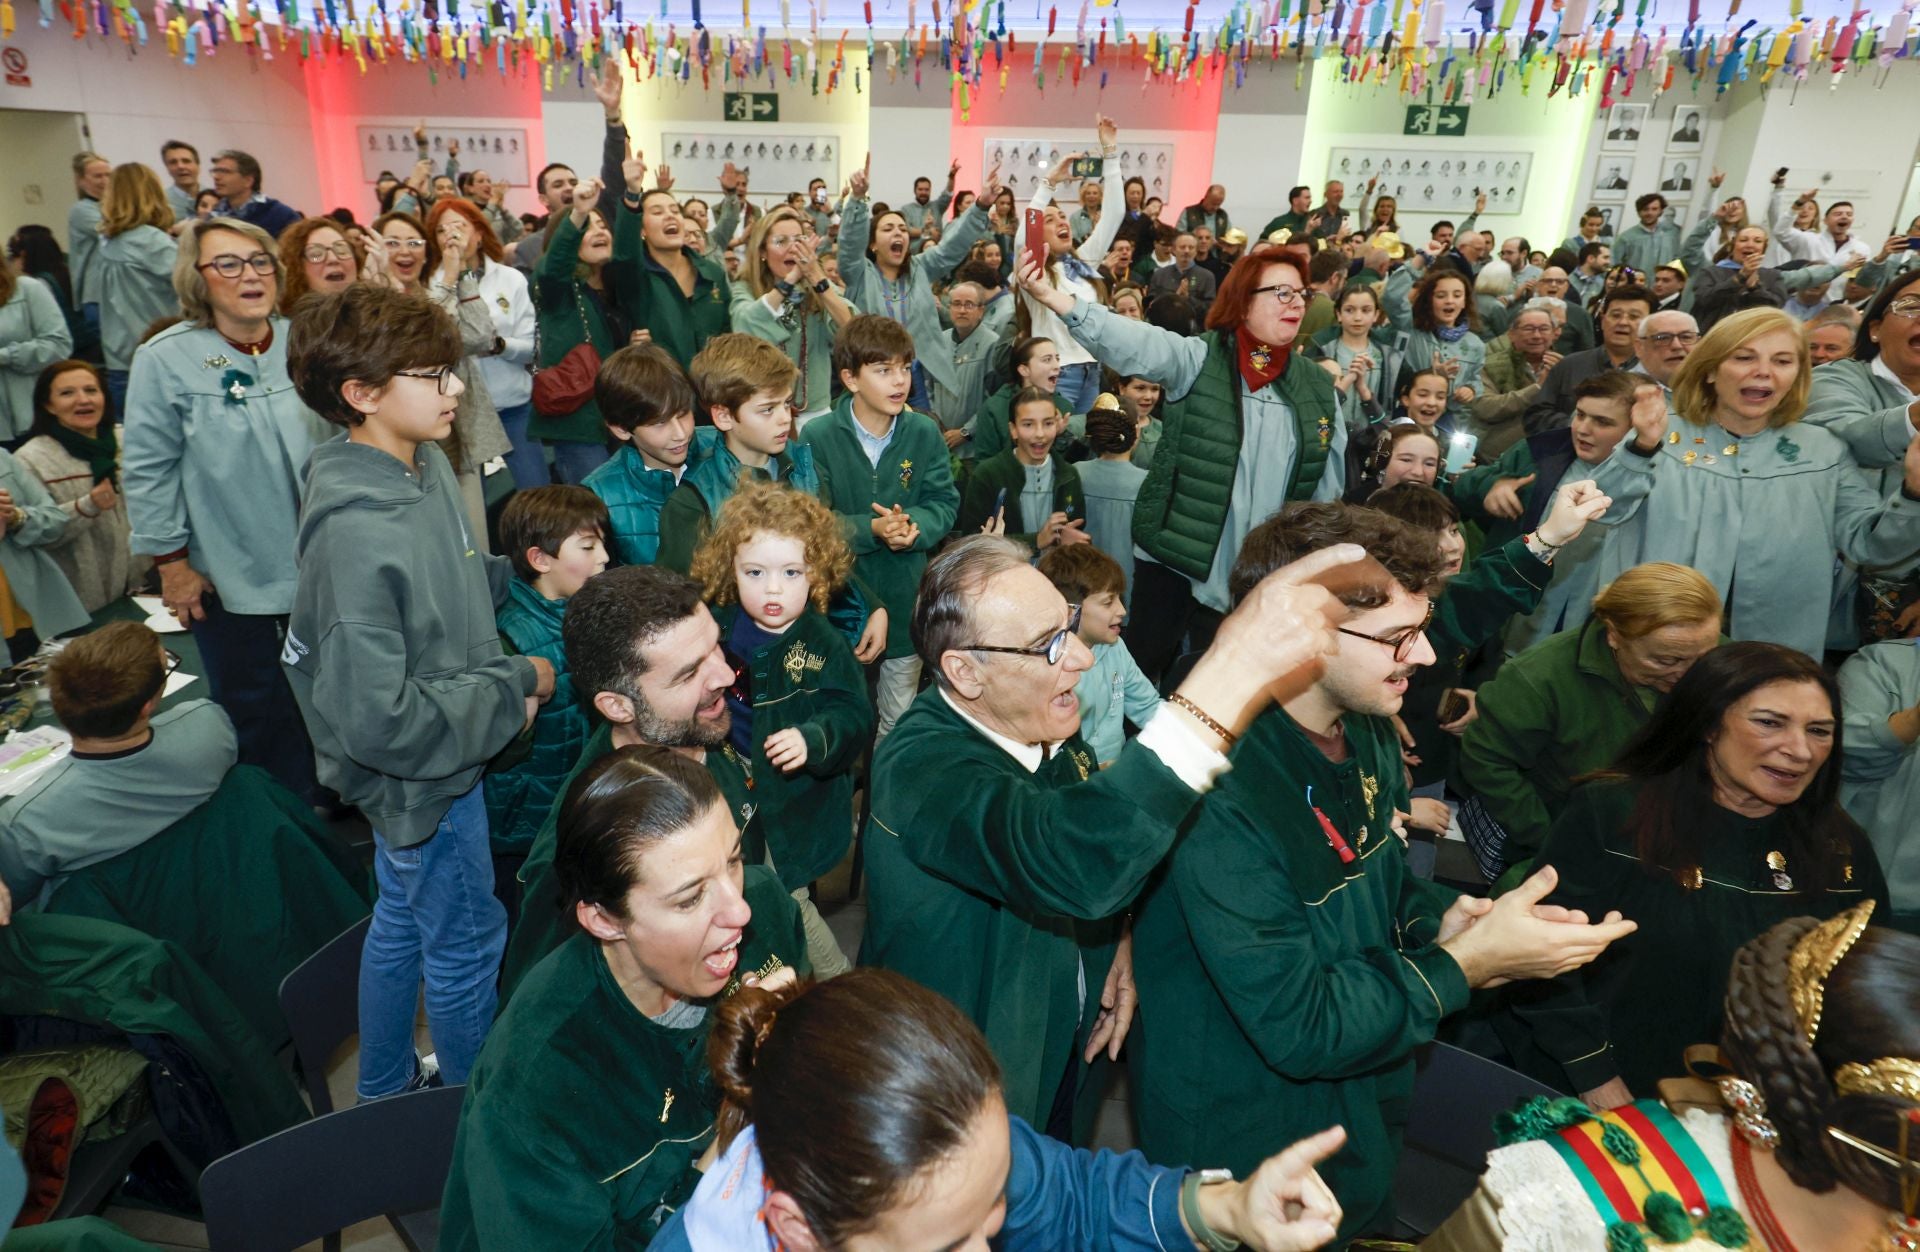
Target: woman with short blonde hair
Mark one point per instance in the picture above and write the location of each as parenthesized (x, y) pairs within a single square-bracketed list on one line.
[(1731, 482), (133, 270)]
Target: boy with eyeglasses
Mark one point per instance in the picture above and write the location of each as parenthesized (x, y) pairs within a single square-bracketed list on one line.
[(395, 659)]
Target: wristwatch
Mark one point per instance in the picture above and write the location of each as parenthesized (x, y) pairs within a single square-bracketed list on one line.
[(1209, 1238), (820, 288)]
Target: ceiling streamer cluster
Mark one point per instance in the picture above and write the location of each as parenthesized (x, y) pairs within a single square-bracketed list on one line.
[(1587, 51)]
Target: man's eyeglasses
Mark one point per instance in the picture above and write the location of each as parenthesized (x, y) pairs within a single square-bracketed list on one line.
[(1906, 306), (440, 376), (320, 252), (1401, 641), (227, 265), (1282, 292), (1053, 649), (1685, 338)]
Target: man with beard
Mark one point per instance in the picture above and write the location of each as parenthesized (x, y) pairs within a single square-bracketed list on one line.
[(645, 655), (1000, 858), (1290, 962)]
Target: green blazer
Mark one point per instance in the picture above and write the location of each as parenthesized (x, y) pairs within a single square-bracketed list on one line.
[(564, 318), (1287, 990), (915, 472), (1005, 471), (1002, 892), (807, 678), (652, 300), (990, 433)]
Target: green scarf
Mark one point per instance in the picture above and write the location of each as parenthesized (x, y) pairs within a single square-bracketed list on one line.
[(101, 452)]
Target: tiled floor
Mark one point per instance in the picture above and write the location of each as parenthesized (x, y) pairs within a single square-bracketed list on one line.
[(846, 918)]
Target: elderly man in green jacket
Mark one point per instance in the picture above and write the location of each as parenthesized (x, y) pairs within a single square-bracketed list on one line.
[(1289, 961), (1000, 857)]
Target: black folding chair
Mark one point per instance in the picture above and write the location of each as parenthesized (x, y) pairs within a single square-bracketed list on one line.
[(384, 1158), (321, 1001), (1455, 1098)]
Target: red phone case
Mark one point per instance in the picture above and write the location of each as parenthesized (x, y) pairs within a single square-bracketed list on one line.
[(1037, 236)]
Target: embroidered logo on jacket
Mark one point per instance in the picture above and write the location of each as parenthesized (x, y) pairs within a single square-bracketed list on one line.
[(799, 662), (906, 475)]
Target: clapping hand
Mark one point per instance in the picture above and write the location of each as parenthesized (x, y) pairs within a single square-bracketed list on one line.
[(894, 527)]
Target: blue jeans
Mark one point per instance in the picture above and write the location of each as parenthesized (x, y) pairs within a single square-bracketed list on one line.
[(436, 913), (574, 461), (1079, 386), (527, 462), (117, 393)]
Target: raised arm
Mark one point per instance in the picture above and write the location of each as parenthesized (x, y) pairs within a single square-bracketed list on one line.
[(1113, 196), (1140, 348)]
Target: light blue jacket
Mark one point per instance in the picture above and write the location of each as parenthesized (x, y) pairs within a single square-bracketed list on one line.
[(83, 244), (1879, 775), (1112, 693), (1761, 521), (213, 457), (1424, 347), (33, 335), (921, 315), (37, 584), (133, 276)]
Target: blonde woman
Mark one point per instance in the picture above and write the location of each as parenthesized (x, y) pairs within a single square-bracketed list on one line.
[(133, 270), (33, 335), (785, 298), (1731, 482), (1070, 269)]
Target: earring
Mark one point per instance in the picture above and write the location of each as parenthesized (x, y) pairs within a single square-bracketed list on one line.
[(1749, 1112)]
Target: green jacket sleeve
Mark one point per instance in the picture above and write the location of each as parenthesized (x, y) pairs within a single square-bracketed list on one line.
[(1566, 1024), (1081, 851), (939, 500), (1478, 603), (553, 277), (1309, 1018), (977, 507), (626, 273), (842, 723), (1470, 487), (1500, 751), (683, 524)]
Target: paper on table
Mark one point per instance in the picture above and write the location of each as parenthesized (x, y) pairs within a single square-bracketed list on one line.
[(175, 681), (27, 753), (159, 620)]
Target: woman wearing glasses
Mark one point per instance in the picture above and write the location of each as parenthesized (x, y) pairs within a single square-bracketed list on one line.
[(133, 270), (784, 297), (1872, 402), (212, 462), (316, 256), (1250, 426), (1731, 482)]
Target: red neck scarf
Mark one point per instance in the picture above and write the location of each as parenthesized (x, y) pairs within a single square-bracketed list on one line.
[(1260, 363), (253, 349)]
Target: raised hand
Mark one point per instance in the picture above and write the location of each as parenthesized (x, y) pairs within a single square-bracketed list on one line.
[(992, 184), (1649, 415), (607, 86), (453, 147), (1716, 178), (1574, 505), (1109, 133), (729, 178), (953, 173), (858, 182), (586, 197), (663, 178), (633, 170), (1063, 172), (1033, 281), (1503, 498)]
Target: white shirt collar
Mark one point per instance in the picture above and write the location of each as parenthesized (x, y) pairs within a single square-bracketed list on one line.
[(1030, 755), (1881, 370)]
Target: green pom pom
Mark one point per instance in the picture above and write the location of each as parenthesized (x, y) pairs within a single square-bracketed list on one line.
[(1625, 1237), (1537, 1117), (1619, 1143), (1726, 1227), (1667, 1218)]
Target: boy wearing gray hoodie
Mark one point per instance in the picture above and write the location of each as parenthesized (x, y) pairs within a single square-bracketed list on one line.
[(396, 663)]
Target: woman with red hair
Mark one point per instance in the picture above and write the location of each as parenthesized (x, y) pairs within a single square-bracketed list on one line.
[(1250, 425), (503, 362)]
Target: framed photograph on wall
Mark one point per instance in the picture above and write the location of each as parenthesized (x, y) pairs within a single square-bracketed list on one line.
[(782, 162), (1437, 180), (1025, 160), (1624, 124), (1689, 125), (1678, 174), (1612, 178)]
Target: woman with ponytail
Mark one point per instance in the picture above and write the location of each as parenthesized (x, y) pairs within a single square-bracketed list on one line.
[(590, 1102), (1808, 1137), (865, 1114)]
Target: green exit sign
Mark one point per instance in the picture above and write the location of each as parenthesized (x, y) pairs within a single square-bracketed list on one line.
[(1433, 119), (755, 106)]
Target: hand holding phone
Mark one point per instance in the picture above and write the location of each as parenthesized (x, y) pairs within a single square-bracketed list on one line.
[(1460, 450), (1037, 236), (1086, 167)]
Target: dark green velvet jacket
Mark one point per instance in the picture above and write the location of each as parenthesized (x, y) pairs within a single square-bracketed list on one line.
[(1006, 472)]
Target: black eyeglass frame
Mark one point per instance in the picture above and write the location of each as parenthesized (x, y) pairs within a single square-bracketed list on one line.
[(440, 376), (1052, 650)]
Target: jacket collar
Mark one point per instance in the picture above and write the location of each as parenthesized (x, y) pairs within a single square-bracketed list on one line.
[(1597, 658), (1031, 756)]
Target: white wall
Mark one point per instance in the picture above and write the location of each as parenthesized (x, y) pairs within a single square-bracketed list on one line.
[(135, 102), (36, 151), (908, 142), (1262, 125)]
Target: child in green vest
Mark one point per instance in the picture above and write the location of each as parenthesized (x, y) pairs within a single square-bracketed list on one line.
[(647, 405), (799, 701), (1029, 491), (556, 538), (885, 470), (1035, 362)]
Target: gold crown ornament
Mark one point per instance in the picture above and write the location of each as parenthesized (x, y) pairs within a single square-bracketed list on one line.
[(1812, 961)]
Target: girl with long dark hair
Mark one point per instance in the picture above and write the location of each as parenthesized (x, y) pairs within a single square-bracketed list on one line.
[(1720, 818)]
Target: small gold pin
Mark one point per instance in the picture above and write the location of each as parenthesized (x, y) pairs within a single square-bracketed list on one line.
[(1673, 436), (1692, 879), (1732, 449), (1690, 457), (667, 1107)]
